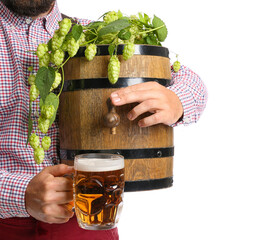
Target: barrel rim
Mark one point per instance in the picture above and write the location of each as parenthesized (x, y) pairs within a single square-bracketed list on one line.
[(139, 153), (145, 185), (140, 49), (102, 83)]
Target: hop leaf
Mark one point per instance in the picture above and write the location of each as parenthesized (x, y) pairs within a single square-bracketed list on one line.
[(124, 34), (44, 80), (161, 32), (77, 32), (113, 27)]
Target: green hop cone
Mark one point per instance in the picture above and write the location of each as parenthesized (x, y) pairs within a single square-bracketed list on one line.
[(57, 40), (39, 155), (58, 57), (64, 45), (82, 39), (113, 69), (134, 29), (31, 79), (65, 26), (118, 41), (46, 143), (33, 93), (72, 47), (47, 111), (41, 50), (176, 66), (90, 51), (128, 51), (34, 140), (45, 60), (57, 81), (111, 17), (43, 124)]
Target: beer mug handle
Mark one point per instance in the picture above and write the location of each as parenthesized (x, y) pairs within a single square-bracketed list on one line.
[(69, 206)]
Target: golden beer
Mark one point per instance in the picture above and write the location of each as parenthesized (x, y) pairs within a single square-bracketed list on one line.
[(98, 190)]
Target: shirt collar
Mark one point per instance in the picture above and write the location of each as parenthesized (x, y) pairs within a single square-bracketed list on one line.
[(50, 21)]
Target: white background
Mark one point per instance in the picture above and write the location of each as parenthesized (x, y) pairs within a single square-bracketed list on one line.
[(219, 177)]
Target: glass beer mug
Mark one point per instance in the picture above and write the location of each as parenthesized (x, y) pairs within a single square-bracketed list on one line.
[(98, 190)]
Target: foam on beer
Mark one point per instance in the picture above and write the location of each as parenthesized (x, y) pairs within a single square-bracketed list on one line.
[(98, 164)]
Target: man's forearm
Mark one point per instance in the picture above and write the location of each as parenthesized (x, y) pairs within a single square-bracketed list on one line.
[(192, 93)]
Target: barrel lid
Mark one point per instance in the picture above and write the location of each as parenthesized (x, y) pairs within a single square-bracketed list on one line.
[(140, 49)]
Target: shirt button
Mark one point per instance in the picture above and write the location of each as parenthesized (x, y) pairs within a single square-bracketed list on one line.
[(186, 120), (12, 28), (34, 40), (28, 21)]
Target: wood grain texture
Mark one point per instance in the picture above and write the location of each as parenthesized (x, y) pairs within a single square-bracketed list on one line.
[(81, 116), (148, 168), (82, 127), (137, 66)]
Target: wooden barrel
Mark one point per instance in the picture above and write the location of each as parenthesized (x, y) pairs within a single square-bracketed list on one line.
[(148, 152)]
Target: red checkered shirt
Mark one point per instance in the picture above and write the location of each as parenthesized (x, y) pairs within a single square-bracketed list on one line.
[(18, 37)]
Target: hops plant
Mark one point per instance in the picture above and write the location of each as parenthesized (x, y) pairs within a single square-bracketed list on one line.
[(114, 29)]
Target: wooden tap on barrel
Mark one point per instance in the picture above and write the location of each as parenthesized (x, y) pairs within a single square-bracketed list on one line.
[(111, 119)]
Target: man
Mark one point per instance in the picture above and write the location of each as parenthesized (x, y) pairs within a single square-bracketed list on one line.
[(34, 198)]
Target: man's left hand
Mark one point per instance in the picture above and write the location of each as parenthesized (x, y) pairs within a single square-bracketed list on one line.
[(152, 97)]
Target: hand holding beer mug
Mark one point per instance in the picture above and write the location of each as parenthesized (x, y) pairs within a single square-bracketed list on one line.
[(98, 190)]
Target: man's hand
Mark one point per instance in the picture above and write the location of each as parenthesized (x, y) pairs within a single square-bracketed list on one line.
[(152, 97), (48, 193)]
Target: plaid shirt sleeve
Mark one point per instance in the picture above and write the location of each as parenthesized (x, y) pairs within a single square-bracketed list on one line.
[(19, 36), (18, 183), (192, 93)]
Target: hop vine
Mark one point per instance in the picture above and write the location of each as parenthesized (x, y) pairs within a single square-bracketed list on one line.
[(46, 84)]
